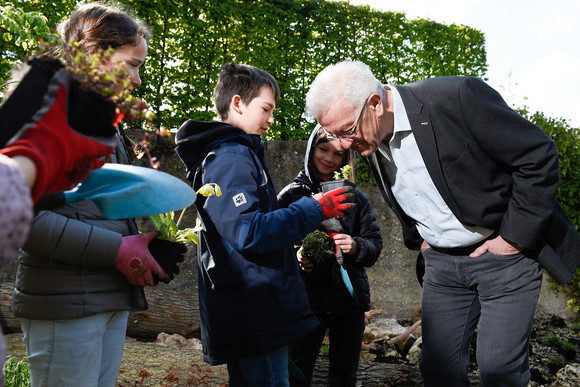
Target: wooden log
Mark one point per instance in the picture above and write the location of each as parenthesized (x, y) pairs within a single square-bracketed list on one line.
[(169, 311), (9, 323)]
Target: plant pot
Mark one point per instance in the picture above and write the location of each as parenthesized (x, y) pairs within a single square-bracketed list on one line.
[(334, 184), (167, 254)]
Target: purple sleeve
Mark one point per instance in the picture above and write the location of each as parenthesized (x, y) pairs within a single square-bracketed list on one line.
[(16, 210)]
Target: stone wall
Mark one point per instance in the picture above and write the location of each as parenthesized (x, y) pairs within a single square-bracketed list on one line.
[(394, 286)]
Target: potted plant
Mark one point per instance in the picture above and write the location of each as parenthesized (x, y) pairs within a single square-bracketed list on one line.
[(171, 243), (341, 177), (316, 246)]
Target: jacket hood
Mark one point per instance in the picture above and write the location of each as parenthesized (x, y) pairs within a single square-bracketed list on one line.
[(195, 139)]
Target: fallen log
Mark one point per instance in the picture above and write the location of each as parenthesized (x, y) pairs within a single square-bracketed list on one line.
[(169, 311)]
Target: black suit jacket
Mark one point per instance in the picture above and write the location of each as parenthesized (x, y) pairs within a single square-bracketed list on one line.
[(492, 167)]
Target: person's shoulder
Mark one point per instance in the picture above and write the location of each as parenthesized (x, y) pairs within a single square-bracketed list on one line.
[(450, 80), (233, 145), (361, 195)]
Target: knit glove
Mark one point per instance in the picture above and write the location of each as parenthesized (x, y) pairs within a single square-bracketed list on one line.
[(333, 202), (62, 155), (136, 262)]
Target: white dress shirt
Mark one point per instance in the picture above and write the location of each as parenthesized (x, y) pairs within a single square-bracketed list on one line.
[(415, 191)]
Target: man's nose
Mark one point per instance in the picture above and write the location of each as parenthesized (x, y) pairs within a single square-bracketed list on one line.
[(346, 142)]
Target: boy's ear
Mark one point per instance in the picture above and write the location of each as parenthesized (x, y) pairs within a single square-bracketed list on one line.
[(235, 104)]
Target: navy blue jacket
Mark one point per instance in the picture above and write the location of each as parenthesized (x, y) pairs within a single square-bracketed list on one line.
[(251, 296)]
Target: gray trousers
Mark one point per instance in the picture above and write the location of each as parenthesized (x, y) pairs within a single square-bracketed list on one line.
[(493, 293)]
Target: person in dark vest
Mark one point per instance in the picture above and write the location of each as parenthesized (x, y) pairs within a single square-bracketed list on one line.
[(80, 274)]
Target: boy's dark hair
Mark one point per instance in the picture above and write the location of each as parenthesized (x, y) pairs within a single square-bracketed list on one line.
[(243, 80)]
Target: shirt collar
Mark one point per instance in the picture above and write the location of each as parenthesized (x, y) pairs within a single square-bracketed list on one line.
[(401, 121)]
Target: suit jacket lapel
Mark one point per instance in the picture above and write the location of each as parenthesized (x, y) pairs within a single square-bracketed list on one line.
[(426, 141)]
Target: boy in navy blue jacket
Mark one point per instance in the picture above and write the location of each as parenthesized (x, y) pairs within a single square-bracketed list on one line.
[(251, 297)]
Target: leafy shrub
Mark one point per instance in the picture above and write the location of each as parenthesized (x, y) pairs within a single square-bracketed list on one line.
[(316, 246), (16, 373), (551, 340)]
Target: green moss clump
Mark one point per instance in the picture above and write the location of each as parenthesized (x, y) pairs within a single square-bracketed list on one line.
[(316, 246)]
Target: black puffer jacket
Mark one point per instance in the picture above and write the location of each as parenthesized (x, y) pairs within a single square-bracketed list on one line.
[(324, 284), (66, 267)]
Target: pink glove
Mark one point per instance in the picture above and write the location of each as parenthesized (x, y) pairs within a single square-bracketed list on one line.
[(136, 263), (332, 202)]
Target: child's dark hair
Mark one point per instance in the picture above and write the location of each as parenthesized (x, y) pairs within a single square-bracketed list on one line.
[(243, 80), (99, 26)]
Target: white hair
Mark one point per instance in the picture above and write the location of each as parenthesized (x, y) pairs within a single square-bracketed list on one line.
[(350, 81)]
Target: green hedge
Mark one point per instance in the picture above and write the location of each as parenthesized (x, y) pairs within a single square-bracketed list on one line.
[(291, 39)]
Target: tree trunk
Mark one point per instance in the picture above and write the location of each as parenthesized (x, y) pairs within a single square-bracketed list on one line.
[(169, 311), (9, 323)]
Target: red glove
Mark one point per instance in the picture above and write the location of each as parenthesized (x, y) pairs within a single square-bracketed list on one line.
[(63, 156), (136, 262), (332, 202)]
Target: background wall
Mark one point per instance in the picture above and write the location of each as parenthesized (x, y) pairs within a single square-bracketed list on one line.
[(394, 286)]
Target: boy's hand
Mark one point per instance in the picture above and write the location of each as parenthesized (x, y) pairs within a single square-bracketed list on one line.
[(303, 262), (332, 202), (345, 242)]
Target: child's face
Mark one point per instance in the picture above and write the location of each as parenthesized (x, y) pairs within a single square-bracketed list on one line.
[(255, 117), (328, 158), (133, 57)]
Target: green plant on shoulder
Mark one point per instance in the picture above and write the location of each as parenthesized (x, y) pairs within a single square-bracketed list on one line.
[(110, 82), (169, 229), (343, 173), (316, 246), (16, 373)]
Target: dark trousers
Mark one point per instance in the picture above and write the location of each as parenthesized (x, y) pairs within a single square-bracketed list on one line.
[(494, 293), (345, 335)]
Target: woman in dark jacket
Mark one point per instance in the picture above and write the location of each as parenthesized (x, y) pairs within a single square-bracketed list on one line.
[(359, 238)]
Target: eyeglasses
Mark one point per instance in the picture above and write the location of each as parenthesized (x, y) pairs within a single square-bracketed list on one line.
[(351, 133)]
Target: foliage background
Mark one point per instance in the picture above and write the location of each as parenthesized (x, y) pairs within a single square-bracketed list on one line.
[(293, 40)]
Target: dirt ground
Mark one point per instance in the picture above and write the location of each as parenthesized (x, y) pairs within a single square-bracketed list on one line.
[(555, 343)]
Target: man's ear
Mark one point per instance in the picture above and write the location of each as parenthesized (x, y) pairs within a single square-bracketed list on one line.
[(375, 103), (236, 104)]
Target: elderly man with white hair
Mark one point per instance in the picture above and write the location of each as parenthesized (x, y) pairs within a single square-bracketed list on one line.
[(474, 186)]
